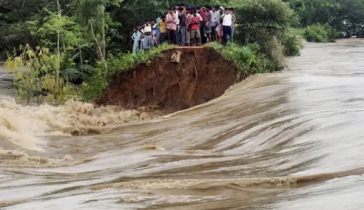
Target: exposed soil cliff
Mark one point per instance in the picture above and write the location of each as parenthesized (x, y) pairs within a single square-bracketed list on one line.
[(179, 79)]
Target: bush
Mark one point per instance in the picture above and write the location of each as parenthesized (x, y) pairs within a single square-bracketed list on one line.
[(276, 54), (93, 86), (292, 44), (247, 58), (320, 33)]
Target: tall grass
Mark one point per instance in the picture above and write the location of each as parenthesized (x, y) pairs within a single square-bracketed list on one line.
[(297, 31)]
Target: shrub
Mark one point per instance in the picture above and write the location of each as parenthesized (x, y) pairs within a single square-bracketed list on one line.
[(320, 33), (276, 53), (37, 71), (247, 58), (292, 44), (94, 85)]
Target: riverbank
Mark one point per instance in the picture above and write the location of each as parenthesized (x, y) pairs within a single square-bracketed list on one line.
[(178, 79)]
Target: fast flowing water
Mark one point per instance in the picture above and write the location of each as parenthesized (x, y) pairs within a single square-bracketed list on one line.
[(289, 140)]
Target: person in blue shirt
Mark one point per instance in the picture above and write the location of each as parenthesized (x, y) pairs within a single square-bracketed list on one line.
[(135, 32), (137, 41), (158, 27), (134, 36), (155, 32)]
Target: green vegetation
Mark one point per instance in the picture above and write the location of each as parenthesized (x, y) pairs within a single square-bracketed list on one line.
[(105, 25), (246, 58), (320, 33), (344, 16), (297, 31), (85, 40), (86, 43), (38, 70), (292, 44), (267, 24)]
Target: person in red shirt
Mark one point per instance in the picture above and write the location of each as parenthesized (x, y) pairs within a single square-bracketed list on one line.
[(195, 27), (171, 26), (201, 11), (188, 27)]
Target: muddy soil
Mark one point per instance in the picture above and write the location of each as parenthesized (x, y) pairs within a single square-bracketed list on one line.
[(199, 76)]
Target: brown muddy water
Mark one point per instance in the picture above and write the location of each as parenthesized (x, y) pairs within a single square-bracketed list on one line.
[(290, 140)]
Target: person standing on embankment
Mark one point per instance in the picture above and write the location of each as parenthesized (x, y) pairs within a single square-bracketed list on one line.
[(182, 25), (226, 24), (162, 29), (148, 39), (215, 21), (171, 26), (195, 29), (207, 21)]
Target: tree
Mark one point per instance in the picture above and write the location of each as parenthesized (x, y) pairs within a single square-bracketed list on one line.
[(35, 70), (260, 20), (96, 20), (346, 16), (14, 15)]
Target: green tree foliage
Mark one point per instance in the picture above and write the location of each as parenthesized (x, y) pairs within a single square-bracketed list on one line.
[(88, 40), (267, 23), (36, 70), (96, 21), (57, 32), (14, 15), (345, 16), (260, 20)]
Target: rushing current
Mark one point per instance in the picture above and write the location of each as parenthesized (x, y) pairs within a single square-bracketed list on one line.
[(292, 140)]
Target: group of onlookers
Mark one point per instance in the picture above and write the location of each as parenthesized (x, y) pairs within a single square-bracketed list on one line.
[(186, 26)]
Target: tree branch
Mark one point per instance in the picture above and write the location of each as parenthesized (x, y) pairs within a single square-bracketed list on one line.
[(96, 41)]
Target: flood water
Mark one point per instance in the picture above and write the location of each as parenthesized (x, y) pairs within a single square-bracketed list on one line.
[(290, 140)]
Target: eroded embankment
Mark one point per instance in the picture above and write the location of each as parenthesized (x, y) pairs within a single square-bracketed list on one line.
[(198, 76)]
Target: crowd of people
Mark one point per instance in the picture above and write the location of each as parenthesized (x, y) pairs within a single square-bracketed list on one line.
[(186, 26)]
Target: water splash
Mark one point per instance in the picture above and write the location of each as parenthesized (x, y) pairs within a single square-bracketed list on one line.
[(25, 126)]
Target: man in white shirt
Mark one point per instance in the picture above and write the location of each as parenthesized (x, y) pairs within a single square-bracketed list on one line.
[(226, 24), (147, 31)]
